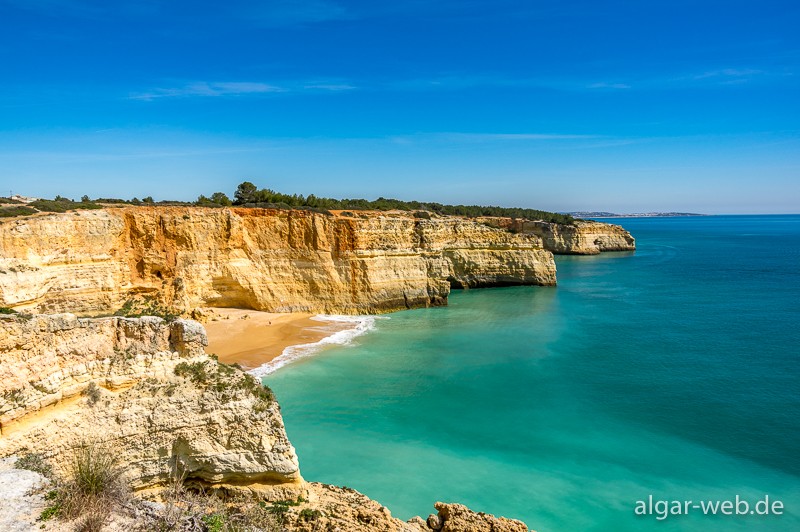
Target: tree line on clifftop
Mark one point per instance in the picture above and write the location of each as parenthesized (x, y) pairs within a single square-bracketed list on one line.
[(249, 195)]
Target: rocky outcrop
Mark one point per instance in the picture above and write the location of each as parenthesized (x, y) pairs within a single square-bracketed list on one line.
[(275, 260), (459, 518), (347, 510), (145, 390), (49, 358), (583, 237)]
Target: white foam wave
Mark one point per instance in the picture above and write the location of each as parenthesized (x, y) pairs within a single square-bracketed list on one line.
[(339, 336)]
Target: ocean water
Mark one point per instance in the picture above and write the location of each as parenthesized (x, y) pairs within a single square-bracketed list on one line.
[(673, 371)]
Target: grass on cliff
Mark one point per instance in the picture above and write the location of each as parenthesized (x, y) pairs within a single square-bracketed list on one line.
[(9, 212), (133, 308), (195, 509), (226, 381), (7, 311), (93, 493), (92, 490), (35, 462)]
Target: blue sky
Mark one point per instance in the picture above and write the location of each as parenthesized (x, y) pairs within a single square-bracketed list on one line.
[(625, 106)]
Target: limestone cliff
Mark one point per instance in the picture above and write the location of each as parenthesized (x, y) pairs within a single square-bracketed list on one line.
[(276, 260), (584, 237), (144, 389)]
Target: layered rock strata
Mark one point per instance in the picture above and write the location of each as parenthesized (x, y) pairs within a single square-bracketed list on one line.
[(275, 260), (146, 390), (583, 237)]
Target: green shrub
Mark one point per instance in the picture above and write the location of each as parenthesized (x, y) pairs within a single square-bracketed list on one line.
[(60, 204), (196, 371), (280, 508), (34, 462), (214, 522), (9, 212), (92, 489), (15, 397), (226, 381), (94, 470), (307, 514), (92, 393), (50, 512), (248, 195), (148, 307)]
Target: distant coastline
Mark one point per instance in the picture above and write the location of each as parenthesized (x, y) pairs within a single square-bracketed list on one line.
[(604, 214)]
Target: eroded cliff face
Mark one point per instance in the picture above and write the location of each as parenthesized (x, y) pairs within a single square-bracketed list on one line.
[(584, 237), (275, 260), (66, 382)]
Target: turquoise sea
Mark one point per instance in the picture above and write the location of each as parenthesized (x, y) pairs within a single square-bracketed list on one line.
[(672, 371)]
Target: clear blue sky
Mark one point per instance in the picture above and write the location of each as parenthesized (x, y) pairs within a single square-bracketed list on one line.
[(625, 106)]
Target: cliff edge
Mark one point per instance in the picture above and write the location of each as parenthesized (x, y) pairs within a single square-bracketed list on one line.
[(146, 389), (263, 259)]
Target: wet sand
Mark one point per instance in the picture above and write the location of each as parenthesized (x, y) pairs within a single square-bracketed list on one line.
[(252, 338)]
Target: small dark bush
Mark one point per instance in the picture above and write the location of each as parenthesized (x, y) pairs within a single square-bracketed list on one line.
[(137, 309), (9, 212), (62, 205), (195, 371), (94, 470), (307, 514), (92, 393), (280, 508), (15, 397), (91, 490), (50, 512), (34, 462)]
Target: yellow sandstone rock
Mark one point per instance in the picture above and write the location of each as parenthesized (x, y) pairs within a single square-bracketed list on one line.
[(160, 403), (273, 260)]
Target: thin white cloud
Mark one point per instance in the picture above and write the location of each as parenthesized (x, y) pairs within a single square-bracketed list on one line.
[(729, 73), (456, 137), (461, 81), (205, 88), (240, 88), (482, 137), (330, 87), (605, 85)]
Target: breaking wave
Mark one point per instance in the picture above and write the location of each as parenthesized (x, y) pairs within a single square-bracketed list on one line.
[(344, 329)]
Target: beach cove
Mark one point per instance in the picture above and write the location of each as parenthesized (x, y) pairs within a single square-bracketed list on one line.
[(261, 342)]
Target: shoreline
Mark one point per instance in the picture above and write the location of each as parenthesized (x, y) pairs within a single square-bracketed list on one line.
[(261, 342)]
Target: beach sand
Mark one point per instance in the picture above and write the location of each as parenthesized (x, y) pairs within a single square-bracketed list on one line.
[(252, 338)]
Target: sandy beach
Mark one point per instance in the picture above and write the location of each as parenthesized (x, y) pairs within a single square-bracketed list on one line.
[(252, 338)]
